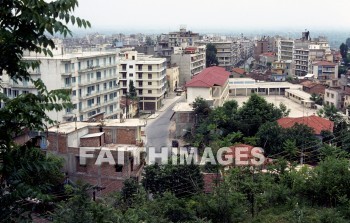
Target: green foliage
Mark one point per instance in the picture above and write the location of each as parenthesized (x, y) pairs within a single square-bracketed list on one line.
[(330, 112), (181, 180), (80, 208), (316, 98), (257, 111), (25, 171), (211, 58), (344, 52), (132, 89), (24, 25), (28, 173)]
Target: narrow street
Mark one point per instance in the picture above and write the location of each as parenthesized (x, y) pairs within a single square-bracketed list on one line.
[(157, 130)]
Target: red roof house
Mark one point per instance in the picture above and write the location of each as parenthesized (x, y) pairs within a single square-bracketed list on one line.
[(210, 84), (209, 77), (316, 123)]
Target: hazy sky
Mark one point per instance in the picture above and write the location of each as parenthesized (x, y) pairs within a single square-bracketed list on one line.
[(215, 14)]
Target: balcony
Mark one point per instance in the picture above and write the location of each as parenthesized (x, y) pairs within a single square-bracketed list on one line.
[(96, 81)]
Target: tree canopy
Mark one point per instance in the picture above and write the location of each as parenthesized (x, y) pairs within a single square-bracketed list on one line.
[(211, 59), (26, 173)]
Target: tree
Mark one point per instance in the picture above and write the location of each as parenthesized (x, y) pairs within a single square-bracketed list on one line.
[(330, 112), (211, 58), (181, 180), (80, 208), (316, 98), (149, 41), (344, 52), (24, 26), (347, 42), (132, 89), (255, 112), (201, 109)]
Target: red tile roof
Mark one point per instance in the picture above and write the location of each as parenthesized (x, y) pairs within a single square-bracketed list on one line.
[(209, 77), (316, 123), (268, 54), (324, 63), (238, 70)]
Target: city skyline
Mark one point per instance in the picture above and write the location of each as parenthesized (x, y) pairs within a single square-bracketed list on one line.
[(201, 15)]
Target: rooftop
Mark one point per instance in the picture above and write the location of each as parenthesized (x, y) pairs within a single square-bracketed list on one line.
[(209, 77), (238, 70), (323, 63), (183, 106), (316, 123), (70, 127), (299, 93), (92, 135)]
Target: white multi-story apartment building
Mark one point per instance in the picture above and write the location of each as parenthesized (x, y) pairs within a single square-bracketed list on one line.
[(285, 48), (92, 78), (301, 61), (149, 78), (182, 38), (191, 61)]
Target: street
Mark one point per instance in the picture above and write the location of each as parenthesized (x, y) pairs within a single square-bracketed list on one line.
[(157, 130)]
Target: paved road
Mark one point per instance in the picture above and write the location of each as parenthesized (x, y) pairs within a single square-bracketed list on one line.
[(157, 130)]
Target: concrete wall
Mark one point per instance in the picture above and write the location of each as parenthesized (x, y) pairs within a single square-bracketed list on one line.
[(194, 92)]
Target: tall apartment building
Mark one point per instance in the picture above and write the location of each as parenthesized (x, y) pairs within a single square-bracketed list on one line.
[(261, 46), (92, 78), (148, 75), (326, 72), (172, 74), (285, 48), (182, 38), (301, 61), (191, 61)]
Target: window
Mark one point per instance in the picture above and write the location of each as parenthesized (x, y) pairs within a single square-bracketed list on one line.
[(67, 81), (118, 168), (73, 79), (25, 92), (111, 108), (131, 66), (149, 83), (139, 66), (98, 100), (81, 118), (66, 68), (104, 86), (110, 84), (149, 91), (110, 60), (105, 98), (15, 93), (97, 62), (98, 75), (131, 74), (111, 96), (80, 107), (79, 66), (149, 67), (140, 91), (74, 93), (104, 61), (149, 76), (133, 57), (140, 75), (115, 94), (90, 102)]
